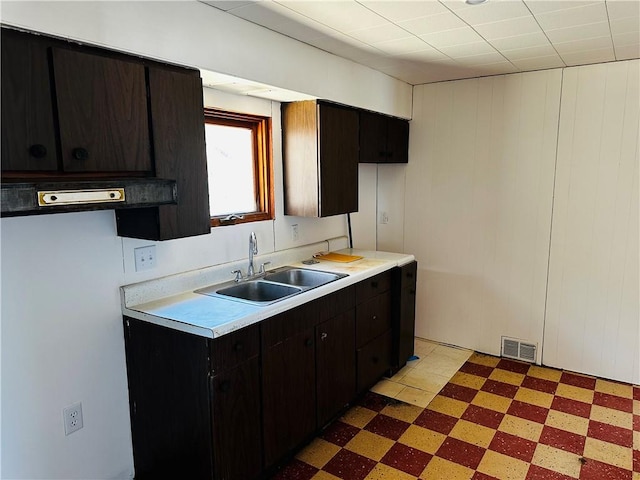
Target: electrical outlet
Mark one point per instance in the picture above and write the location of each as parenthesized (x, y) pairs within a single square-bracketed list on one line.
[(294, 232), (145, 257), (72, 416), (384, 218)]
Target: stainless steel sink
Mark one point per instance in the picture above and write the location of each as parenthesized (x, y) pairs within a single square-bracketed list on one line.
[(301, 277), (276, 285)]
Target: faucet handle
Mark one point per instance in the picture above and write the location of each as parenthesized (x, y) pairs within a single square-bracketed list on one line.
[(262, 265), (238, 275)]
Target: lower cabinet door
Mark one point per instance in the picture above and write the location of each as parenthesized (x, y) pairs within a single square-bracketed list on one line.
[(237, 440), (288, 395), (374, 360), (335, 365)]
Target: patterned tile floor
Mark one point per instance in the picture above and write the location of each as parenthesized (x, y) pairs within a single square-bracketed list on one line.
[(494, 419)]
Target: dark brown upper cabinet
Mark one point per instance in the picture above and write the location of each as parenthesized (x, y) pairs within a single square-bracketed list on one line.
[(81, 118), (28, 133), (102, 113), (320, 155), (383, 139)]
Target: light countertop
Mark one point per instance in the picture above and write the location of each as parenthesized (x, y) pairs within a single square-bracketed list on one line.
[(213, 317)]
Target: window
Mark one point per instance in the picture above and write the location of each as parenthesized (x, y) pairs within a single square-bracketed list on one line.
[(240, 167)]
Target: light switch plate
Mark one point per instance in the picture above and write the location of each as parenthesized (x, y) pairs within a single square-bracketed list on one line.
[(145, 257)]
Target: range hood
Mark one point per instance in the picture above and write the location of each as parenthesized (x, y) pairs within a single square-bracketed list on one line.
[(40, 197)]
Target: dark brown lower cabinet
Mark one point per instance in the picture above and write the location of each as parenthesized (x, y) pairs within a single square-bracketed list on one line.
[(288, 394), (374, 360), (189, 419), (404, 313), (235, 407), (335, 365), (237, 422)]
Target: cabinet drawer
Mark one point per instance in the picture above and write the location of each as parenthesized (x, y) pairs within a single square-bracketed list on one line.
[(373, 286), (374, 360), (373, 318), (234, 348), (290, 323)]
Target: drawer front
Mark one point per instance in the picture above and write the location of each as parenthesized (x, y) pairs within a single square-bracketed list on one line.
[(374, 360), (234, 348), (373, 286), (373, 317), (290, 323)]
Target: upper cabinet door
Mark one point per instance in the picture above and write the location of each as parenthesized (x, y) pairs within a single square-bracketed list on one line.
[(28, 135), (373, 138), (102, 109), (383, 139), (397, 140), (338, 134), (320, 159), (177, 114)]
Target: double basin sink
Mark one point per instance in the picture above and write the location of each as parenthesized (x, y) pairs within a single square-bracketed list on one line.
[(274, 286)]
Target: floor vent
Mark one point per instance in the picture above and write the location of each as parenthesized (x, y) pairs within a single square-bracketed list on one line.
[(512, 348)]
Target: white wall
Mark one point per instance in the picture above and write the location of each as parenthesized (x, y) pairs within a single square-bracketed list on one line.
[(62, 338), (593, 317), (479, 188)]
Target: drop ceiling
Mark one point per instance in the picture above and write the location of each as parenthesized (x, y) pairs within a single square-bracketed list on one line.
[(425, 41)]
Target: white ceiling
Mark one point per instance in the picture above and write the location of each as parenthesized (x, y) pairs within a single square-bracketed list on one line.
[(425, 41)]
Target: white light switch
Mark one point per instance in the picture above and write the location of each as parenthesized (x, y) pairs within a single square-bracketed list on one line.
[(145, 257)]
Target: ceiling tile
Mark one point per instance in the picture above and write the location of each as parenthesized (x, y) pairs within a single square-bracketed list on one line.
[(475, 60), (468, 49), (508, 28), (400, 10), (582, 45), (625, 25), (521, 41), (571, 17), (379, 34), (342, 15), (546, 6), (491, 11), (623, 9), (531, 52), (626, 39), (627, 52), (498, 68), (227, 5), (571, 34), (433, 23), (586, 57), (539, 63), (401, 46), (427, 55), (457, 36)]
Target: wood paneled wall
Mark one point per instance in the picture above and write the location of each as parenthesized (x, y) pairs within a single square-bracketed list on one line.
[(593, 318), (478, 199)]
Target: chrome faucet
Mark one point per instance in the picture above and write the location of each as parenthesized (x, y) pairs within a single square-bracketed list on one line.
[(253, 250)]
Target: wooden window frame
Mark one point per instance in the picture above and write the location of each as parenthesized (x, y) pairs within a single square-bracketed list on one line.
[(263, 163)]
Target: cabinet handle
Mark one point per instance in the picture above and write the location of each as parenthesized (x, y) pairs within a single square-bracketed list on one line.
[(38, 151), (323, 336), (308, 342), (225, 386), (238, 347), (375, 317), (80, 154)]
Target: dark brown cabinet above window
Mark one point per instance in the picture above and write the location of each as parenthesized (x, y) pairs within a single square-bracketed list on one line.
[(80, 121), (320, 155), (383, 139)]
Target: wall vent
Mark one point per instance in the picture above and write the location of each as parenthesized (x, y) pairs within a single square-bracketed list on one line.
[(513, 348)]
